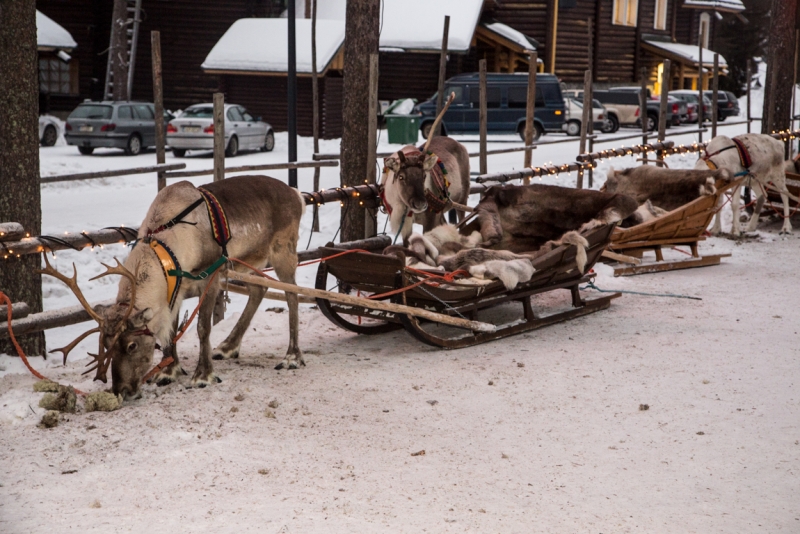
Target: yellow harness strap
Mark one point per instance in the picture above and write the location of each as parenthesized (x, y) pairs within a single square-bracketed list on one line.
[(168, 265), (711, 165)]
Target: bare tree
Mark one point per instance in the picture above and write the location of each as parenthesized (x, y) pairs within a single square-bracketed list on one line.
[(20, 196), (780, 67), (119, 49), (362, 31)]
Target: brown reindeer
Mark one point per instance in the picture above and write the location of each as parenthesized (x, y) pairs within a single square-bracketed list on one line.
[(177, 235), (412, 184)]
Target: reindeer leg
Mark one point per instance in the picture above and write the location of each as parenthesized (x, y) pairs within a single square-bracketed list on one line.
[(716, 228), (736, 227), (761, 196), (285, 263), (787, 224), (204, 373), (172, 371), (230, 347)]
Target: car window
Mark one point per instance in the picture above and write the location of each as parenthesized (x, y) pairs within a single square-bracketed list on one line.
[(246, 115), (518, 96), (234, 115), (144, 112), (458, 90), (125, 112), (91, 112), (551, 92), (492, 97), (199, 113)]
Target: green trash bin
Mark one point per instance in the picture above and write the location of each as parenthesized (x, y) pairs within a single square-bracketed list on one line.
[(403, 129)]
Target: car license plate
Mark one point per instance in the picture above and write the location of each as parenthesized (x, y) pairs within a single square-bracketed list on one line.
[(191, 129), (86, 128)]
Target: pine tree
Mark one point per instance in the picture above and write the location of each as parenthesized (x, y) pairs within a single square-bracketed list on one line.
[(740, 40)]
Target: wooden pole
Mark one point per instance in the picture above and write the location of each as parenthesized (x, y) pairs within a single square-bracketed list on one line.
[(794, 80), (361, 301), (715, 96), (643, 106), (442, 71), (666, 74), (749, 83), (291, 89), (158, 100), (700, 82), (315, 104), (370, 228), (219, 137), (482, 116), (530, 107), (553, 34), (586, 118)]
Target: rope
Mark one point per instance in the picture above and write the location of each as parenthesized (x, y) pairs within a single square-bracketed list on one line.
[(20, 352), (591, 285)]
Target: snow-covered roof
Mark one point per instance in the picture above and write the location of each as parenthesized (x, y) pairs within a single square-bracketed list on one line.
[(260, 45), (511, 34), (417, 24), (719, 5), (51, 35), (689, 52)]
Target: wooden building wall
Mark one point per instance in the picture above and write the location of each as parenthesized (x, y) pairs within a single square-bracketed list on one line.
[(416, 75)]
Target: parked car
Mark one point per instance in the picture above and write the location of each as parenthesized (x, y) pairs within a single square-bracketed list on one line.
[(676, 108), (690, 97), (610, 113), (727, 104), (49, 130), (506, 99), (626, 108), (127, 125), (194, 130), (574, 116)]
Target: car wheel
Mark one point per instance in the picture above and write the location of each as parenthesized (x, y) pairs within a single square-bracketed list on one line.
[(426, 129), (538, 131), (86, 150), (269, 142), (50, 135), (652, 123), (134, 147), (721, 118), (179, 152), (573, 128), (611, 125), (233, 147)]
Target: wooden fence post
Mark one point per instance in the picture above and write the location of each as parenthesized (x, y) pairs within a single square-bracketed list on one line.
[(530, 107), (315, 104), (715, 97), (158, 100), (666, 74), (586, 118), (749, 83), (482, 116), (643, 107), (442, 71), (700, 117), (370, 223), (219, 137)]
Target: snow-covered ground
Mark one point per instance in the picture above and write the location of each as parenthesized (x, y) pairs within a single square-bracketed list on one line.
[(556, 444)]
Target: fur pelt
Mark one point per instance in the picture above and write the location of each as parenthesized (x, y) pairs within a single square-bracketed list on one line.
[(510, 272), (469, 258), (646, 212)]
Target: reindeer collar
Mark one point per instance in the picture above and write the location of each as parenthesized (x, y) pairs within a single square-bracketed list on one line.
[(744, 156), (170, 266)]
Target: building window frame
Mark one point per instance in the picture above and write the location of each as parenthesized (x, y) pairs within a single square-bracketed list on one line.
[(705, 22), (57, 77), (660, 15), (625, 13)]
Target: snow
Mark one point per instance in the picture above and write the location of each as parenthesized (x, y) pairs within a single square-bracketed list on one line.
[(559, 442), (418, 24), (690, 52), (50, 34), (722, 5), (511, 34), (260, 45)]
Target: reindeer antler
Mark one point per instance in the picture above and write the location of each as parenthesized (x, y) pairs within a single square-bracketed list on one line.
[(66, 350), (72, 283), (438, 120), (122, 271)]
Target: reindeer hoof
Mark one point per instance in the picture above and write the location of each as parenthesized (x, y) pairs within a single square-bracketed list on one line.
[(295, 362), (220, 354), (161, 382), (169, 375), (201, 382)]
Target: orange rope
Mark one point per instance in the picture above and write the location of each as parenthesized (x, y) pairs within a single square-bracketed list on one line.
[(34, 372)]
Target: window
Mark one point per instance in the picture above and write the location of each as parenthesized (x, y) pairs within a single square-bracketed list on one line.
[(234, 115), (198, 113), (703, 30), (458, 90), (246, 115), (660, 22), (625, 12), (493, 97), (55, 77), (518, 96), (144, 112), (125, 112)]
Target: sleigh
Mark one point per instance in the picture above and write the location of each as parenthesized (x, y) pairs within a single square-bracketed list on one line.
[(682, 227), (387, 279), (793, 186)]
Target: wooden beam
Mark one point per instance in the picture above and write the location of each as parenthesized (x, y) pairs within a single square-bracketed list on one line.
[(158, 99), (219, 137), (11, 230), (482, 115), (442, 72), (552, 35)]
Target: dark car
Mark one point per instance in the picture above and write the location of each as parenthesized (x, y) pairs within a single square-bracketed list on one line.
[(127, 125), (506, 101), (727, 104), (690, 97)]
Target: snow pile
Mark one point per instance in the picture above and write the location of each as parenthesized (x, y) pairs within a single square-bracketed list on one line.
[(510, 33), (50, 34), (418, 24)]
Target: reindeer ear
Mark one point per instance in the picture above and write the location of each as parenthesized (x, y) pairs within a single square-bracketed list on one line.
[(140, 319), (430, 161), (101, 309), (392, 164)]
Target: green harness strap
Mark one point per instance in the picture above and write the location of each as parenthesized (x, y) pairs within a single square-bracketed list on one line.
[(203, 274)]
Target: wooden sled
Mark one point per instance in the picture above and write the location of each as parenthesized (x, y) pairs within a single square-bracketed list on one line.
[(774, 198), (684, 226), (374, 274)]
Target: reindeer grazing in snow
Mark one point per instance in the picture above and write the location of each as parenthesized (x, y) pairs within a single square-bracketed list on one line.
[(758, 156), (179, 246)]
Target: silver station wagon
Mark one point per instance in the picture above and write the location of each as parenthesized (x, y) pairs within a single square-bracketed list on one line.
[(127, 125), (194, 130)]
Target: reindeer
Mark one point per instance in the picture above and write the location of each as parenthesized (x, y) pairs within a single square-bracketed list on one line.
[(759, 157), (173, 260)]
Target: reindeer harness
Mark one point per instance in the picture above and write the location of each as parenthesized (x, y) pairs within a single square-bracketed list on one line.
[(438, 197), (220, 230), (744, 157)]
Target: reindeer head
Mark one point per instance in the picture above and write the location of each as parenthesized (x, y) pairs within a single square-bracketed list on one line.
[(409, 178), (126, 344)]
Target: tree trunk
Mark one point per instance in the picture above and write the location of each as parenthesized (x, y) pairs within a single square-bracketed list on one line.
[(780, 67), (362, 29), (20, 197), (118, 48)]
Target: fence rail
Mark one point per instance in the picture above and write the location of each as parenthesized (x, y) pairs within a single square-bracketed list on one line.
[(264, 167), (110, 174)]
